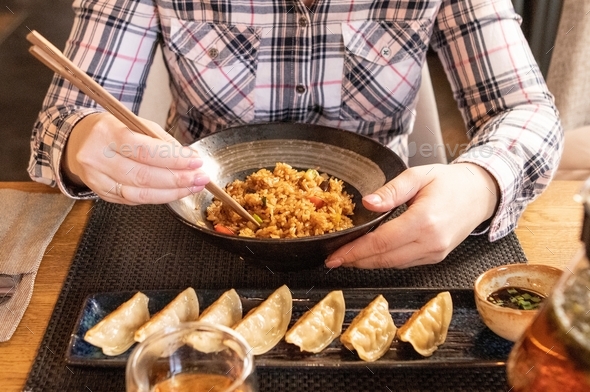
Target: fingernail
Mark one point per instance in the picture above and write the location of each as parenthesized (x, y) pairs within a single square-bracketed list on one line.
[(334, 263), (373, 199), (195, 163), (201, 180)]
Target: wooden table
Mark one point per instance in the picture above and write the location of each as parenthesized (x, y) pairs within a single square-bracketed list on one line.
[(549, 231)]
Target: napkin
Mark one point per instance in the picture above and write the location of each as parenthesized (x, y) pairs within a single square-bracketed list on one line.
[(28, 222)]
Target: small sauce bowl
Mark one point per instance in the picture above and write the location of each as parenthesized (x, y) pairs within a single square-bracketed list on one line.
[(506, 322)]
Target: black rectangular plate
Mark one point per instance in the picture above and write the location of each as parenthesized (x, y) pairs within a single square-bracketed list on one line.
[(469, 342)]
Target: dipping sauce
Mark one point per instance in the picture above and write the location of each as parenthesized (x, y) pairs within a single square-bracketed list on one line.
[(516, 298), (195, 382)]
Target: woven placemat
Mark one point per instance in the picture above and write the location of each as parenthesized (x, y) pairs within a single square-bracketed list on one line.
[(145, 248)]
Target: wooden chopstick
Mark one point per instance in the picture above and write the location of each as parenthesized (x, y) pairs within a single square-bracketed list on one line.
[(59, 69), (54, 59)]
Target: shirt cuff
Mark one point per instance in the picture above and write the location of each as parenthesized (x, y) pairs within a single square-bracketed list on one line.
[(63, 132), (505, 171)]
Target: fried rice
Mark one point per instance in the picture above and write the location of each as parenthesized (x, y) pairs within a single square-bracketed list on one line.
[(287, 203)]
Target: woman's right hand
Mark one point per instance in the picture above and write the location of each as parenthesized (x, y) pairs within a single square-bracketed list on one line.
[(126, 167)]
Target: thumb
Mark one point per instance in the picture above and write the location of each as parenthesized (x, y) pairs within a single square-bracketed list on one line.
[(399, 190)]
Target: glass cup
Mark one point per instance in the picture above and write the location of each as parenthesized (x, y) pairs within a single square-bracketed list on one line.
[(553, 355), (192, 357)]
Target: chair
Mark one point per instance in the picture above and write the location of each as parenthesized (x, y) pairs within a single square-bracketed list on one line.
[(156, 97), (425, 142), (569, 81)]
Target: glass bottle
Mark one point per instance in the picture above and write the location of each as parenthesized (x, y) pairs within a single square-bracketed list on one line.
[(554, 352)]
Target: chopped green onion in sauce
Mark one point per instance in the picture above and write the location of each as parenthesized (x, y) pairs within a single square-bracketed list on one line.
[(264, 201), (516, 298)]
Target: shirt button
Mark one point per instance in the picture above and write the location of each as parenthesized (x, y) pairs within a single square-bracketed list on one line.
[(302, 22), (300, 88), (213, 52), (385, 51)]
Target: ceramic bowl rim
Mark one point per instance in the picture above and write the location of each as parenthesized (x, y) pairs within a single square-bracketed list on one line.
[(370, 225)]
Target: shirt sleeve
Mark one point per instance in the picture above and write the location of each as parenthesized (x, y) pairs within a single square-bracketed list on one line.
[(114, 42), (512, 122)]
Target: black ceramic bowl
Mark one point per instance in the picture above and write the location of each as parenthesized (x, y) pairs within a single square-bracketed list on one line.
[(363, 164)]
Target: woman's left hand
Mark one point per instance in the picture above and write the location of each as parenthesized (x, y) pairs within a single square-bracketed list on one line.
[(445, 204)]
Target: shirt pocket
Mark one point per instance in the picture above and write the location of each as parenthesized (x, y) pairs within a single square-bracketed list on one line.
[(214, 66), (382, 68)]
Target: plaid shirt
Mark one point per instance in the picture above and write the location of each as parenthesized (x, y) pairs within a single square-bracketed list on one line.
[(351, 64)]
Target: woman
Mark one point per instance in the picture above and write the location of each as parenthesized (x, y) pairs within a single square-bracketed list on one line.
[(348, 64)]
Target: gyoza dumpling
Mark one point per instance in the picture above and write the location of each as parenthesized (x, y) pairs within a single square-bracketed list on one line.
[(114, 333), (185, 307), (264, 326), (319, 326), (371, 332), (227, 311), (427, 328)]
